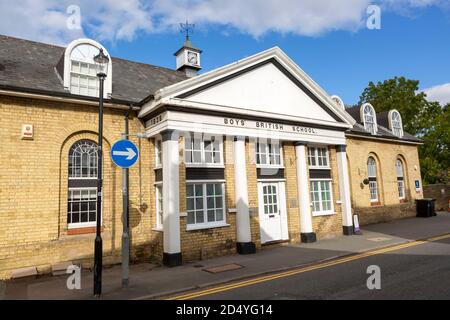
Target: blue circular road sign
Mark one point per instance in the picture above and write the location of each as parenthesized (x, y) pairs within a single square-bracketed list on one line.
[(124, 153)]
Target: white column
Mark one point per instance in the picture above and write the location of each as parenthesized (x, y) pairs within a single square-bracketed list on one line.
[(244, 238), (171, 201), (306, 228), (344, 189)]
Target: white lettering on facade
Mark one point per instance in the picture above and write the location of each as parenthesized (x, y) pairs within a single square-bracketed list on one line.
[(155, 120), (234, 122), (267, 125)]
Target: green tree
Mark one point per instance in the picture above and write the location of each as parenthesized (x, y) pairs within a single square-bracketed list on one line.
[(427, 120)]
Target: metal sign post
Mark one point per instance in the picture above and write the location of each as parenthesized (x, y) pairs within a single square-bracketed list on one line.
[(125, 223), (125, 154)]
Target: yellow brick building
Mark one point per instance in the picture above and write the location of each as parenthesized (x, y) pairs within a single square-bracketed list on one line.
[(250, 154)]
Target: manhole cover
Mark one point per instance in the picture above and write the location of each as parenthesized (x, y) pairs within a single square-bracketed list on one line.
[(379, 239), (226, 267)]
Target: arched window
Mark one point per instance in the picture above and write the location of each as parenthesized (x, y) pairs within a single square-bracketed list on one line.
[(80, 74), (369, 118), (400, 179), (372, 173), (338, 101), (82, 195), (396, 123)]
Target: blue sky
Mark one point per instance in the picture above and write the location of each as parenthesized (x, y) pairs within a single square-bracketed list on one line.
[(331, 43)]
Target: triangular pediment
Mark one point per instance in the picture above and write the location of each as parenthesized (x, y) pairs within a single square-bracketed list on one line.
[(267, 88), (268, 84)]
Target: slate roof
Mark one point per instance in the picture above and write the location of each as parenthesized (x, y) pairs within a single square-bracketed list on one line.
[(31, 66), (382, 123)]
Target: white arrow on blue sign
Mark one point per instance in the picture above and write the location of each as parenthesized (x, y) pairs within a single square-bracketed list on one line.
[(124, 153)]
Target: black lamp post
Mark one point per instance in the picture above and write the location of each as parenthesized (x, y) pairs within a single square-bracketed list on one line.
[(101, 61)]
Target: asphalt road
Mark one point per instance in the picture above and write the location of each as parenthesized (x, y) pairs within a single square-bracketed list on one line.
[(421, 271)]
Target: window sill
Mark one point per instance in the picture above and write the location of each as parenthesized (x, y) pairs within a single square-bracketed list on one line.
[(158, 229), (204, 165), (325, 213), (269, 166), (82, 230), (203, 227), (319, 168), (375, 204)]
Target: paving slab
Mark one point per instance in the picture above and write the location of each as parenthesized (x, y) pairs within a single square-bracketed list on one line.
[(150, 281)]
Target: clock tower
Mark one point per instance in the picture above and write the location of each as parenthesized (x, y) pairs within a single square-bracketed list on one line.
[(188, 58)]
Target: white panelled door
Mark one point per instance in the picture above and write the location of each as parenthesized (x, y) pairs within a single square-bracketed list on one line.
[(272, 211)]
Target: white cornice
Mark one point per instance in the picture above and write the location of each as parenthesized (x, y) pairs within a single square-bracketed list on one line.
[(208, 77)]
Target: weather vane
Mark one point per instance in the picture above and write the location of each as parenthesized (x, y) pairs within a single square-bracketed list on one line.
[(187, 28)]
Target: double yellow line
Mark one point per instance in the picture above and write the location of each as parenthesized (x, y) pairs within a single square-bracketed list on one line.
[(321, 265)]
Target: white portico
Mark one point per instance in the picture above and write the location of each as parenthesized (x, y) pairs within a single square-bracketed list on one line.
[(265, 98)]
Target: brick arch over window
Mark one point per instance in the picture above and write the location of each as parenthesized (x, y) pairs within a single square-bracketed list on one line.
[(82, 198), (402, 177), (375, 179), (110, 178)]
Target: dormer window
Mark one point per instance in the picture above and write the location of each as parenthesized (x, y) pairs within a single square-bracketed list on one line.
[(80, 71), (395, 122), (83, 79), (369, 118)]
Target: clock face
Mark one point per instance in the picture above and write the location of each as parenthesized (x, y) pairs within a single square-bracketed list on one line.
[(192, 58)]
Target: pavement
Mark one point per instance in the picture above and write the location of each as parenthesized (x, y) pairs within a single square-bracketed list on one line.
[(418, 270), (149, 281)]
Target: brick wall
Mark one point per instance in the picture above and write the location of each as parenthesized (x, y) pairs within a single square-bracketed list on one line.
[(34, 186), (208, 243), (385, 154), (440, 192), (292, 202), (330, 225)]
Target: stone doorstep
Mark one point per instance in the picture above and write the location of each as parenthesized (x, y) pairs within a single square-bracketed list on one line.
[(24, 272), (60, 268)]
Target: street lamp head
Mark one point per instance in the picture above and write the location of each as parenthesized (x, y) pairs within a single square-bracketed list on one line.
[(101, 62)]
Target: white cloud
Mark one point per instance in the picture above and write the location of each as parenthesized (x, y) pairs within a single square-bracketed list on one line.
[(440, 93), (46, 20), (111, 20), (256, 17)]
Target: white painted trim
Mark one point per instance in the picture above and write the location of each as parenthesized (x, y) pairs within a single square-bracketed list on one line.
[(215, 125), (205, 181), (271, 180), (281, 203), (206, 225), (64, 99), (303, 191), (190, 227), (344, 189), (383, 139), (338, 101), (241, 192), (316, 157), (390, 114), (171, 200), (67, 63), (324, 212), (361, 110), (81, 225), (269, 166), (203, 163), (276, 53), (245, 111)]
